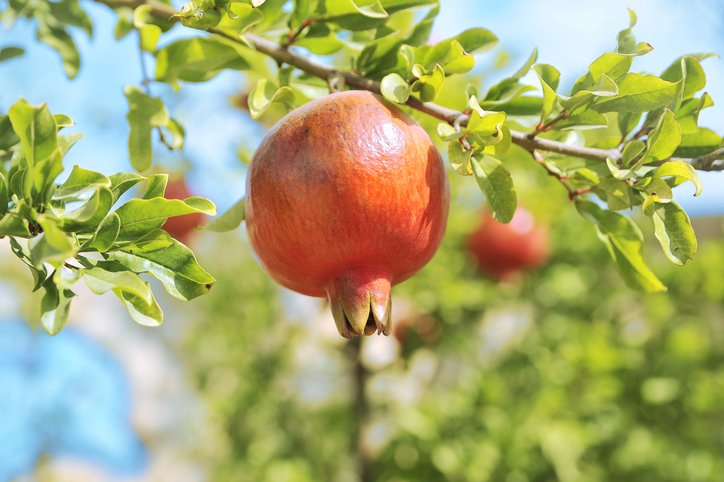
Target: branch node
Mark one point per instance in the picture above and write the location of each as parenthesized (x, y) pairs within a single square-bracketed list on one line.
[(335, 81)]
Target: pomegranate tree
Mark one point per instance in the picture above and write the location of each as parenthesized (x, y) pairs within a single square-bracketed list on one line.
[(346, 197)]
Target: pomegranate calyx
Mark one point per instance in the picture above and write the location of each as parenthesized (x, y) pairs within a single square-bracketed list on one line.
[(361, 303)]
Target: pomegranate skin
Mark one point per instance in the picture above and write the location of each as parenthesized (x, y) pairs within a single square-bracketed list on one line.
[(347, 196), (504, 250), (181, 227)]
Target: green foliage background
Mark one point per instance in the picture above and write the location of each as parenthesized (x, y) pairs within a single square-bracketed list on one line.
[(602, 383)]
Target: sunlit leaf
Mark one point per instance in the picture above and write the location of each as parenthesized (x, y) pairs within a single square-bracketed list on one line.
[(496, 183), (228, 221)]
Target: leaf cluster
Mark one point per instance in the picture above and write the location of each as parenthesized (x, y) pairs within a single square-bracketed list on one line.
[(84, 228)]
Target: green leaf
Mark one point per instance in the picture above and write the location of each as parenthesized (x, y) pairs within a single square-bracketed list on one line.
[(624, 241), (156, 186), (632, 151), (104, 276), (549, 78), (583, 120), (239, 18), (698, 143), (122, 182), (618, 194), (80, 181), (625, 41), (266, 93), (54, 307), (69, 12), (142, 312), (14, 225), (460, 158), (60, 41), (627, 121), (62, 121), (144, 14), (665, 138), (4, 196), (87, 217), (612, 64), (638, 93), (338, 8), (106, 234), (476, 38), (149, 37), (177, 131), (140, 216), (55, 237), (39, 272), (153, 241), (8, 138), (690, 70), (428, 85), (672, 228), (682, 170), (320, 44), (496, 183), (197, 60), (449, 54), (47, 249), (525, 68), (124, 25), (201, 17), (230, 220), (395, 89), (503, 142), (448, 132), (35, 126), (144, 113), (175, 267), (485, 127), (7, 53), (658, 190)]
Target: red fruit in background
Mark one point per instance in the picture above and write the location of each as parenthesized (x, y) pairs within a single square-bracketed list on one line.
[(503, 250), (346, 197), (181, 227)]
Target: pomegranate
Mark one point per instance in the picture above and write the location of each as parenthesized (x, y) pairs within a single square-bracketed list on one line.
[(181, 227), (504, 250), (347, 196)]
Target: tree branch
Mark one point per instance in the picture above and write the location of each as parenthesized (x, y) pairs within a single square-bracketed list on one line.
[(451, 116), (361, 412)]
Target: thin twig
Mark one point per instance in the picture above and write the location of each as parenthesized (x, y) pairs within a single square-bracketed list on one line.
[(451, 116), (293, 35), (361, 411), (709, 162), (145, 80), (146, 83), (573, 193), (550, 124)]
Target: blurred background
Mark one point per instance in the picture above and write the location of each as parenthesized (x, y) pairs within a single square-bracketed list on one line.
[(547, 370)]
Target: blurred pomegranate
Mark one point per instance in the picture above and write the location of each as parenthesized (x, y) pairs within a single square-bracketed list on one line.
[(502, 251), (181, 227)]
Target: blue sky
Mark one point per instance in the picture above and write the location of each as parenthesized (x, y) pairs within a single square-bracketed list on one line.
[(568, 34)]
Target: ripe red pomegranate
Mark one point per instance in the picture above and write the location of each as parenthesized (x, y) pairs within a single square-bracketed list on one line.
[(181, 227), (346, 197), (504, 250)]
